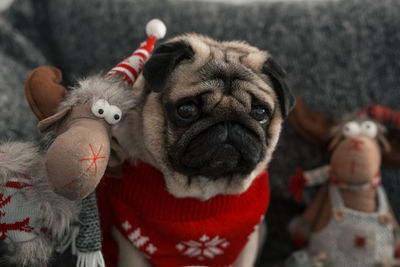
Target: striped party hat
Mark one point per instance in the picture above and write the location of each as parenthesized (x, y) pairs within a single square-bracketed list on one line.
[(131, 67)]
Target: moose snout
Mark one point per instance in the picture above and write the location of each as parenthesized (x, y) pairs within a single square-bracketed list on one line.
[(355, 144), (78, 157)]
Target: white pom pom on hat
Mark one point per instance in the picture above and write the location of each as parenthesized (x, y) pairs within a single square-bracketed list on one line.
[(130, 68), (156, 28)]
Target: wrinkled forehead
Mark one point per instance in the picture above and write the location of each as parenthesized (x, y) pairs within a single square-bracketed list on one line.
[(206, 49), (222, 68)]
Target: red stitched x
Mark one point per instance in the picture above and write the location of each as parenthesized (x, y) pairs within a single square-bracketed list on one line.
[(94, 159)]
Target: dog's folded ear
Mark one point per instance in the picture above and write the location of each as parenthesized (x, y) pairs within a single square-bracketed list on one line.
[(285, 97), (163, 61)]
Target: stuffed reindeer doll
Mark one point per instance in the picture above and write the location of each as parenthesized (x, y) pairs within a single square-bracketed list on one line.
[(82, 121), (350, 221)]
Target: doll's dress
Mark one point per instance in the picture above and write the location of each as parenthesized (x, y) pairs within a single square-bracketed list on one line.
[(354, 238)]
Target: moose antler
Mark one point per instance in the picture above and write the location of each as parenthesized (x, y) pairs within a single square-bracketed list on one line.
[(312, 125), (43, 91), (391, 118), (392, 157)]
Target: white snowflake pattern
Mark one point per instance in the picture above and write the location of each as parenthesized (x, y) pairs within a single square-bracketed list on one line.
[(180, 247), (134, 235), (204, 248), (126, 225), (151, 249), (139, 240)]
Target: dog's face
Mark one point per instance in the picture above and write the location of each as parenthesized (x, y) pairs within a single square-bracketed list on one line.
[(210, 115)]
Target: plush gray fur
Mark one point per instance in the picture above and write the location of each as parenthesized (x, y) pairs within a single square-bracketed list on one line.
[(30, 254), (19, 157), (111, 88), (25, 158)]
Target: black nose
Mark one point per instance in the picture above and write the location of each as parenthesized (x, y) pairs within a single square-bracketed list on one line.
[(223, 149), (225, 157)]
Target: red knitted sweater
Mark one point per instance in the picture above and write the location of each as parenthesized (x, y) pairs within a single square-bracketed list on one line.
[(171, 231)]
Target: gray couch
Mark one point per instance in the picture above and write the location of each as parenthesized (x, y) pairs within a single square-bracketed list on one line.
[(339, 56)]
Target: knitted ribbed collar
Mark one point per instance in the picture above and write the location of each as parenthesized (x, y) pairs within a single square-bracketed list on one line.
[(144, 187), (375, 183)]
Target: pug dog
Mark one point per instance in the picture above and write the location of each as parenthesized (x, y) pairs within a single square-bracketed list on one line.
[(194, 187)]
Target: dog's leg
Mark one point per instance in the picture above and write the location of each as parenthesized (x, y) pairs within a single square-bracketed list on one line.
[(128, 255), (248, 256)]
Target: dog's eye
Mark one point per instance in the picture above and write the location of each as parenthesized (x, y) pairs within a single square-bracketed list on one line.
[(188, 110), (260, 114)]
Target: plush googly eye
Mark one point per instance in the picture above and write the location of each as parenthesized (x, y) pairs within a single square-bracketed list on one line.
[(113, 115), (100, 107), (351, 129), (369, 128)]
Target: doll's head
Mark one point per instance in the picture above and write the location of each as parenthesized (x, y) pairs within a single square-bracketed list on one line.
[(357, 147), (84, 118), (357, 142)]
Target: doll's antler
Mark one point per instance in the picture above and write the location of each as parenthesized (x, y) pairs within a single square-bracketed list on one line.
[(390, 118), (43, 91), (392, 157), (312, 125)]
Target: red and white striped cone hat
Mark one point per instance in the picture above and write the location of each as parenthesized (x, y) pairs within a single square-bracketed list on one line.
[(131, 67)]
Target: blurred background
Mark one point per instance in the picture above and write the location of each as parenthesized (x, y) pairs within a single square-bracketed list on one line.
[(340, 55)]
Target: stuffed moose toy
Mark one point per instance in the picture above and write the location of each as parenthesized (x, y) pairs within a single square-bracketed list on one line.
[(349, 222), (58, 175)]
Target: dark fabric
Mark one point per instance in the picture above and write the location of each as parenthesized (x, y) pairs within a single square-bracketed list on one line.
[(89, 237), (340, 55)]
